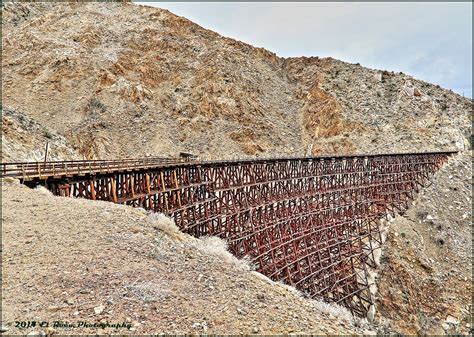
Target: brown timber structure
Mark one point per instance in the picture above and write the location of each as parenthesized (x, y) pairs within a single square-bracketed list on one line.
[(310, 222)]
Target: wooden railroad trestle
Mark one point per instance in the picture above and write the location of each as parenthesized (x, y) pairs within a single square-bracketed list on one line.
[(310, 222)]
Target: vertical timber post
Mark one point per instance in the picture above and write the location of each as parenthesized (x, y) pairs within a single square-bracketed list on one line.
[(164, 190), (114, 191), (91, 183)]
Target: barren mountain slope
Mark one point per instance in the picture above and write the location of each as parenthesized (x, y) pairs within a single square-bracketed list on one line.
[(425, 282), (122, 79), (138, 80), (24, 139), (380, 111), (129, 266)]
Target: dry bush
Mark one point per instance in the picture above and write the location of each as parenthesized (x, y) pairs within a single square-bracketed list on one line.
[(334, 310), (166, 225), (215, 246), (95, 106), (208, 244), (331, 309), (9, 180), (289, 288), (262, 277)]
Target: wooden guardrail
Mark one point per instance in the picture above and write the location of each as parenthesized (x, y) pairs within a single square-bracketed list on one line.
[(32, 170), (44, 170)]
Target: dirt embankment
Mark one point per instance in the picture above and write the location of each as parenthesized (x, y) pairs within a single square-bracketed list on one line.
[(73, 260)]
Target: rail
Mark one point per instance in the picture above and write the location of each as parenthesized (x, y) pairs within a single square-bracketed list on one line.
[(44, 170)]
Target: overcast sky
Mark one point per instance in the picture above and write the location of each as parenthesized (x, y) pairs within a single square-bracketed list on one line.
[(430, 41)]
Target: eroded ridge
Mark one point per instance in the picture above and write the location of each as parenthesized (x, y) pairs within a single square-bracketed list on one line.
[(310, 222)]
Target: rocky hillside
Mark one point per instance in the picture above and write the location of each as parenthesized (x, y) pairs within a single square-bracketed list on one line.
[(122, 79), (24, 139), (107, 80), (425, 279)]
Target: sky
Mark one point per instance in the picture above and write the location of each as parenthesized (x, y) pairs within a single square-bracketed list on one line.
[(429, 41)]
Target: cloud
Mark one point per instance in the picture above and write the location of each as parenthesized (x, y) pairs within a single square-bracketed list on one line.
[(431, 41)]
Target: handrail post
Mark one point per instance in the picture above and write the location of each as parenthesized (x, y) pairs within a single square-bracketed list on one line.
[(39, 169)]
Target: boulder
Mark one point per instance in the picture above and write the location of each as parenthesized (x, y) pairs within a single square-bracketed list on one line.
[(378, 77), (409, 91)]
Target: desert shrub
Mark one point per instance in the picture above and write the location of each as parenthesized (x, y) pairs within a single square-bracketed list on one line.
[(147, 291), (47, 134), (215, 246), (94, 106), (166, 225)]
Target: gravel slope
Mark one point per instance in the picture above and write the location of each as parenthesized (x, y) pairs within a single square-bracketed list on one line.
[(74, 260), (425, 283)]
